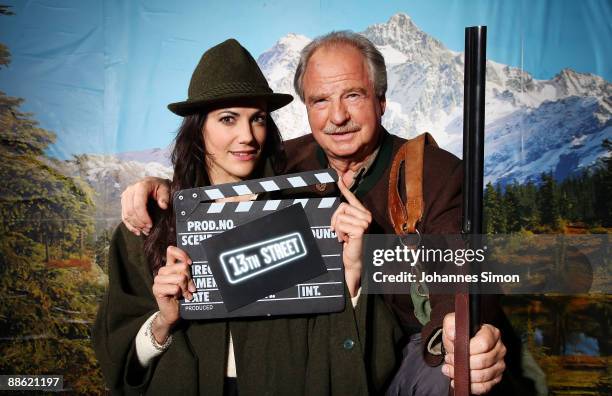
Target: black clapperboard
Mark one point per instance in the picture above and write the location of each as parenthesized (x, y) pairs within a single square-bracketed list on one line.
[(283, 233)]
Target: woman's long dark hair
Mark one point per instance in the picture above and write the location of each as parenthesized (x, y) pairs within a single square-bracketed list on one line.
[(189, 163)]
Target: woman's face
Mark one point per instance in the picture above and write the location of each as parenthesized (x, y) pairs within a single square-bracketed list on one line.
[(234, 138)]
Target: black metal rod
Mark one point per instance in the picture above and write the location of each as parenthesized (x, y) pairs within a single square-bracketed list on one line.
[(473, 147)]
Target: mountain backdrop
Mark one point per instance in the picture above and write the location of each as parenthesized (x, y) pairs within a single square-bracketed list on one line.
[(532, 126)]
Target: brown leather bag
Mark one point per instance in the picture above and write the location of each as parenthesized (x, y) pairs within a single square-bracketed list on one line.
[(406, 212), (406, 208)]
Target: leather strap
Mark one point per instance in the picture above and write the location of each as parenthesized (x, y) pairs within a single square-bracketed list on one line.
[(405, 214)]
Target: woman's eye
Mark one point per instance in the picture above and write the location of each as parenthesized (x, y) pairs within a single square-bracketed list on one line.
[(259, 119), (227, 120)]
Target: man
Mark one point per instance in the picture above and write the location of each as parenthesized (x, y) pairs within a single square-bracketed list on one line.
[(341, 78)]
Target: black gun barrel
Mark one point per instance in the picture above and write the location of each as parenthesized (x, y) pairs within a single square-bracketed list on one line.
[(473, 147)]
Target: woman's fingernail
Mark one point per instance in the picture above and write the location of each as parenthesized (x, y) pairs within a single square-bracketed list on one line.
[(191, 287)]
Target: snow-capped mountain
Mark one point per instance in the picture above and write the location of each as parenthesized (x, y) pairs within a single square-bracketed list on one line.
[(96, 168), (279, 64), (157, 155), (532, 125), (109, 175)]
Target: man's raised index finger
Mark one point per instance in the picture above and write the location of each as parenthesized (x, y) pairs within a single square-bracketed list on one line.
[(350, 197)]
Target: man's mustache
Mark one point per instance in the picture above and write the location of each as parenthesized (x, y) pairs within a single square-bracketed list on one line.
[(351, 126)]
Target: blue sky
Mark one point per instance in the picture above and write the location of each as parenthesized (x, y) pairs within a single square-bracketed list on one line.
[(100, 73)]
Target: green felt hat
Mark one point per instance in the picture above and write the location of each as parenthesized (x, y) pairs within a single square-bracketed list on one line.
[(225, 72)]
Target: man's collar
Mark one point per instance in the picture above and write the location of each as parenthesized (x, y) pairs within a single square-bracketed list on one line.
[(365, 167), (373, 168)]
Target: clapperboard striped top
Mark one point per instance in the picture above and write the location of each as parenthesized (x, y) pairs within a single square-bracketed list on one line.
[(186, 201), (269, 205)]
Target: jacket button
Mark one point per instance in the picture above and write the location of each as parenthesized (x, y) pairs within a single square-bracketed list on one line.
[(348, 344)]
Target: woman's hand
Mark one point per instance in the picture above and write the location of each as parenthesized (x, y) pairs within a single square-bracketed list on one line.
[(172, 281), (350, 221)]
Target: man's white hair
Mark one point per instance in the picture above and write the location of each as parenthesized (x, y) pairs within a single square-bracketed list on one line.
[(373, 57)]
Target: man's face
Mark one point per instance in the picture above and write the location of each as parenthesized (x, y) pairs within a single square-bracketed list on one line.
[(343, 110)]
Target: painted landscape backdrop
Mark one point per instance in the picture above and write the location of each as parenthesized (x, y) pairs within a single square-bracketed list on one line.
[(548, 170)]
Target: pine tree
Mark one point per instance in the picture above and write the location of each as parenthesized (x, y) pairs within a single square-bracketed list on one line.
[(494, 219), (528, 205), (579, 194), (512, 208), (501, 226), (548, 201), (603, 204)]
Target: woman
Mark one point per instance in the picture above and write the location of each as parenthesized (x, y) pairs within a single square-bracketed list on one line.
[(141, 342)]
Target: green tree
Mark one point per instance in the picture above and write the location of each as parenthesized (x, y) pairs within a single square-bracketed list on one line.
[(512, 207), (528, 208), (45, 311), (548, 201), (603, 181), (579, 195), (101, 248), (494, 217)]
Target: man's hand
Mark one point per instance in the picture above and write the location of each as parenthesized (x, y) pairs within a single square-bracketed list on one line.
[(134, 203), (487, 353), (350, 222)]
